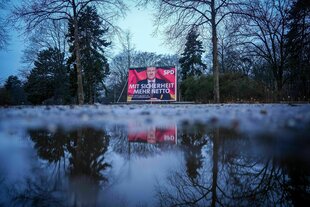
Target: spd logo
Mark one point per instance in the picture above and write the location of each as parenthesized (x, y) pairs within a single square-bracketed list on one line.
[(168, 72)]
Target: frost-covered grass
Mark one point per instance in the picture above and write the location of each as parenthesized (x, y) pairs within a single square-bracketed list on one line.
[(248, 118)]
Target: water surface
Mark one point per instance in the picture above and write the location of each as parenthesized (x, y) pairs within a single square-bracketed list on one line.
[(140, 161)]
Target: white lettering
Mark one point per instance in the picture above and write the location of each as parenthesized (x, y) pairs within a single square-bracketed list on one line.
[(160, 91), (131, 86), (168, 72), (168, 137), (142, 91)]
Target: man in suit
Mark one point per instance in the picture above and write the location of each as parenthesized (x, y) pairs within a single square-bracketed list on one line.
[(153, 88)]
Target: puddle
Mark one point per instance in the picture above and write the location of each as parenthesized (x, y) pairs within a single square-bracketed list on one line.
[(208, 161)]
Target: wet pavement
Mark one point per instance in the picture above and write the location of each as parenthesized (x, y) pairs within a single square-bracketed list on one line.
[(155, 155)]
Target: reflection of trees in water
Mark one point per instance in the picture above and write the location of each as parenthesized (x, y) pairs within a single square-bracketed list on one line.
[(87, 148), (147, 149), (188, 186), (82, 154), (298, 172), (36, 192), (2, 186), (119, 140), (193, 139), (260, 179), (251, 177), (237, 175), (50, 146)]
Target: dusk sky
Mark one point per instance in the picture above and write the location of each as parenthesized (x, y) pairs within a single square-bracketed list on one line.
[(137, 21)]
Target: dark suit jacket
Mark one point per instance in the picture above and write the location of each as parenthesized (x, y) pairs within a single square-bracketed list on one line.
[(160, 96)]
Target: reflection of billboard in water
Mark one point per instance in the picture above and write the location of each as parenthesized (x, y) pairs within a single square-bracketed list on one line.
[(154, 135), (152, 84)]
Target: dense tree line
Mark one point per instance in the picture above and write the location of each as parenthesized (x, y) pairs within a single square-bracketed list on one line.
[(12, 93), (265, 43), (53, 79), (229, 51), (35, 13)]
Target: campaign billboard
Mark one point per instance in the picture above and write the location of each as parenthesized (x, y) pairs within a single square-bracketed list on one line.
[(152, 84), (153, 135)]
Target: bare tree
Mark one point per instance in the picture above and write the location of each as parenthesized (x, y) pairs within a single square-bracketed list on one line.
[(234, 55), (3, 27), (118, 76), (178, 17), (36, 12), (119, 66), (50, 34), (128, 47), (264, 28)]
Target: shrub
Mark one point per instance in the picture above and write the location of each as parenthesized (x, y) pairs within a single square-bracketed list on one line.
[(234, 87)]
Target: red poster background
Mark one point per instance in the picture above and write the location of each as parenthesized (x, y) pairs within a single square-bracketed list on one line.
[(165, 73), (152, 136)]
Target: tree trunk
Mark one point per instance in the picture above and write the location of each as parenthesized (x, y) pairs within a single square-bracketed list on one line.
[(222, 57), (215, 55), (78, 58), (279, 87), (215, 159), (90, 96), (278, 80)]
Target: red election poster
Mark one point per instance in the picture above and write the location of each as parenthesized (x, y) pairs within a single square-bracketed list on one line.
[(152, 84), (154, 135)]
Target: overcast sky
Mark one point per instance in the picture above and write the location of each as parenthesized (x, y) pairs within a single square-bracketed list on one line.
[(137, 21)]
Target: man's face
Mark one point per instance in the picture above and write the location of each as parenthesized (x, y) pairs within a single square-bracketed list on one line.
[(151, 73)]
